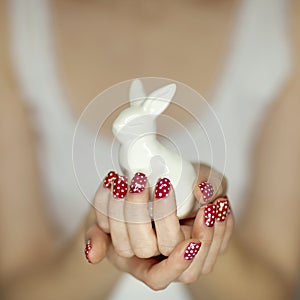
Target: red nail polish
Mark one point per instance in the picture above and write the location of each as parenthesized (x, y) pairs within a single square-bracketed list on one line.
[(120, 187), (138, 183), (109, 179), (191, 250), (222, 209), (207, 190), (162, 188), (210, 215), (87, 250)]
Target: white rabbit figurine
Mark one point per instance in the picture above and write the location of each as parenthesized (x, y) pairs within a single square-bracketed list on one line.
[(140, 151)]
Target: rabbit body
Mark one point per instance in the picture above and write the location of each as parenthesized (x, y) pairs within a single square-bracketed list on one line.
[(140, 150)]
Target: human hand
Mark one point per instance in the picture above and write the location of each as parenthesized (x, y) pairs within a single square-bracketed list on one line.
[(209, 231), (123, 211)]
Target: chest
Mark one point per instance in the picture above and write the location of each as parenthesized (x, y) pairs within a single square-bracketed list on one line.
[(100, 47)]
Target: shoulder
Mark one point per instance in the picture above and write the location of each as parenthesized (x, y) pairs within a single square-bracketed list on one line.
[(7, 81), (287, 108), (4, 35), (295, 40), (10, 96)]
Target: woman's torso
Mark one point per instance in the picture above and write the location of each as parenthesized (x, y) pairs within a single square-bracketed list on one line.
[(93, 51)]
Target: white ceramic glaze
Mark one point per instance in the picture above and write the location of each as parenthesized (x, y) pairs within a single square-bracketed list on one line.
[(140, 150)]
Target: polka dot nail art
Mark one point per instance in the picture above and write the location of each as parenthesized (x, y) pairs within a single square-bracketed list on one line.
[(120, 187), (109, 179), (207, 190), (191, 250), (210, 215), (88, 248), (162, 188), (138, 183), (222, 210)]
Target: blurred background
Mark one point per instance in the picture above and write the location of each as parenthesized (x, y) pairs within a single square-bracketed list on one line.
[(240, 55)]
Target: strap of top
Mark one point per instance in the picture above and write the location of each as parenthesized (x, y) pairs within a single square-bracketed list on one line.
[(35, 63)]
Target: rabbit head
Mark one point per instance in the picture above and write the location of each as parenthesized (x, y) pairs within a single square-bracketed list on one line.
[(139, 118)]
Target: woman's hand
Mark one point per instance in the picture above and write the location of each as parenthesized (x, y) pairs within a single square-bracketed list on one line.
[(211, 229), (189, 259), (212, 226), (122, 210)]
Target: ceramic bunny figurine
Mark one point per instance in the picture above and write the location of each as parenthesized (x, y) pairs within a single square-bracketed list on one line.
[(140, 151)]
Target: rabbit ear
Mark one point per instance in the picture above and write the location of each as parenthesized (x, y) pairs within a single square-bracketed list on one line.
[(159, 100), (137, 93)]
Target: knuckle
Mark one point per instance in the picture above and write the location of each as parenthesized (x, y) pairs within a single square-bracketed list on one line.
[(164, 250), (127, 253), (144, 252), (157, 287), (155, 284)]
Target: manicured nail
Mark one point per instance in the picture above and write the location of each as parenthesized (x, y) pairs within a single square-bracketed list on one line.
[(162, 188), (207, 190), (229, 208), (138, 183), (191, 250), (109, 179), (87, 250), (210, 215), (222, 210), (120, 187)]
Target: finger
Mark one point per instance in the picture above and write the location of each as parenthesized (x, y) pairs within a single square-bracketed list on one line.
[(228, 230), (96, 245), (117, 225), (102, 199), (209, 185), (167, 224), (203, 230), (158, 275), (222, 205), (141, 234)]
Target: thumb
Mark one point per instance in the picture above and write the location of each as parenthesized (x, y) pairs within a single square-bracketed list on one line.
[(97, 243)]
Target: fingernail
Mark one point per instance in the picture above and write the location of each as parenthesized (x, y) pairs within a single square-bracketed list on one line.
[(229, 209), (207, 190), (109, 179), (162, 188), (120, 187), (222, 209), (191, 250), (138, 183), (210, 215), (87, 250)]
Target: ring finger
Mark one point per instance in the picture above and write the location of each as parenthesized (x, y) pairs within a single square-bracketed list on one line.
[(167, 224)]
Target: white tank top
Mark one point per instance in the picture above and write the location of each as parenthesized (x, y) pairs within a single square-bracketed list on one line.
[(257, 67)]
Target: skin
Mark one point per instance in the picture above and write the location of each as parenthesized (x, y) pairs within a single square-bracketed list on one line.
[(264, 251), (171, 240), (139, 239)]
